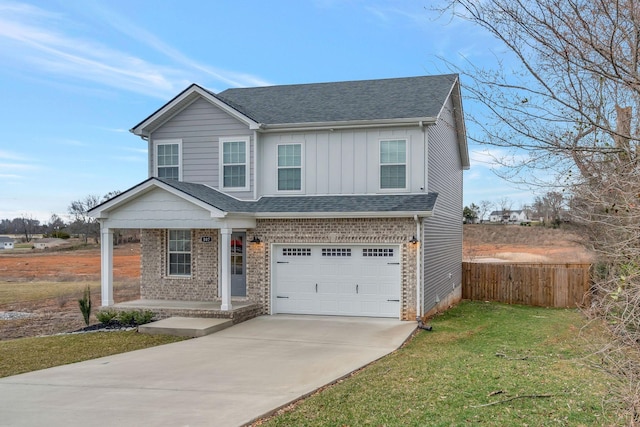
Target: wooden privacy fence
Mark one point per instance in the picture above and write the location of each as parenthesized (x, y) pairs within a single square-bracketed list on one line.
[(537, 284)]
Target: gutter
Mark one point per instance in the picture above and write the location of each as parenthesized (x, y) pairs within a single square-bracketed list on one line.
[(377, 214), (353, 124)]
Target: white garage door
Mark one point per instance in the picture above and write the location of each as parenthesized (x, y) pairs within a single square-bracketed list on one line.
[(337, 280)]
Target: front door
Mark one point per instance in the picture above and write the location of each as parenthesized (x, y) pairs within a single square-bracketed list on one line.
[(238, 265)]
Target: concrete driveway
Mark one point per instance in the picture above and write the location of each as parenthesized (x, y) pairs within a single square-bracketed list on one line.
[(226, 379)]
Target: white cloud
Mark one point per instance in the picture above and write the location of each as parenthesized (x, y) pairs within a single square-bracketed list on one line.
[(29, 41), (9, 155), (143, 36)]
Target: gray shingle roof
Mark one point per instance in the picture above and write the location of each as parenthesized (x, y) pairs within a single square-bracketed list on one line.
[(409, 97), (308, 204)]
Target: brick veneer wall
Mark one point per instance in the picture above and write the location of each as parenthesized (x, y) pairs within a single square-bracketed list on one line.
[(155, 283), (203, 285), (334, 231)]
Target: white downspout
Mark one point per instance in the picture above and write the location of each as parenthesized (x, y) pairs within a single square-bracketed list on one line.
[(418, 270), (255, 165)]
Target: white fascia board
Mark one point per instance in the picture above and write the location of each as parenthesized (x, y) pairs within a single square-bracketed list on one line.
[(395, 214), (456, 97), (161, 115), (102, 211), (353, 124)]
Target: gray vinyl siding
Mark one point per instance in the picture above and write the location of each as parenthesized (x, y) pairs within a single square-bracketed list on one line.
[(443, 231), (343, 162), (200, 126)]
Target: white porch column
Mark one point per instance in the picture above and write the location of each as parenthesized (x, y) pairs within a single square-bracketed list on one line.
[(106, 265), (225, 268)]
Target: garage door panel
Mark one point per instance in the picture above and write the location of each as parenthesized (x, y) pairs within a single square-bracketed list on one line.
[(337, 280)]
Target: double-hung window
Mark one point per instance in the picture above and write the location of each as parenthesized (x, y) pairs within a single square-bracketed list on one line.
[(289, 167), (234, 155), (179, 253), (168, 159), (393, 164)]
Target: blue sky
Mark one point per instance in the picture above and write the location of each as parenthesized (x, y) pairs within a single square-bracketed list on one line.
[(76, 75)]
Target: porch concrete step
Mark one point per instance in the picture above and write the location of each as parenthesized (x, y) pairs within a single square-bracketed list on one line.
[(185, 326)]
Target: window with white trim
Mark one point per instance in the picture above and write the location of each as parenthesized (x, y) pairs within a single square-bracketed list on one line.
[(393, 164), (234, 167), (168, 159), (179, 252), (289, 167)]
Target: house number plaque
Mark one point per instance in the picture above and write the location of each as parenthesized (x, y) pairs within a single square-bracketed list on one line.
[(206, 239)]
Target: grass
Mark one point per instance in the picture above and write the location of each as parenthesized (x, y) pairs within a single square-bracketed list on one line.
[(35, 291), (484, 363), (31, 354), (10, 292)]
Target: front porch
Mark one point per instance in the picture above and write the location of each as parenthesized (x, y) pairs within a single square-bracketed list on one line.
[(163, 309)]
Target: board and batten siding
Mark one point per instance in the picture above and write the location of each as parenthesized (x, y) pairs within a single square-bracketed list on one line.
[(341, 161), (200, 126), (442, 240)]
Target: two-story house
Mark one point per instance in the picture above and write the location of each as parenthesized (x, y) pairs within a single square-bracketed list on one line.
[(331, 198), (510, 216)]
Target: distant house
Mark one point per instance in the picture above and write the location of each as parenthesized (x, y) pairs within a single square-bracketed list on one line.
[(510, 217), (6, 242), (47, 243)]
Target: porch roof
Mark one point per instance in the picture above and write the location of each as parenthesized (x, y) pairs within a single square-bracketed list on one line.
[(287, 206), (321, 204)]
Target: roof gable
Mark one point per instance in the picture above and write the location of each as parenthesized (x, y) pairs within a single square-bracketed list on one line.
[(182, 101)]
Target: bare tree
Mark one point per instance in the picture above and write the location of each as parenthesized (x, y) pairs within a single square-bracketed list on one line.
[(485, 207), (28, 225), (571, 103), (82, 222), (549, 207)]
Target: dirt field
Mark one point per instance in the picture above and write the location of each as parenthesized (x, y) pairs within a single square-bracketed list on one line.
[(60, 313), (70, 265), (74, 270), (487, 243)]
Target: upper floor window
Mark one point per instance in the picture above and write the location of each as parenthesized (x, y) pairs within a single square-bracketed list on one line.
[(393, 164), (234, 163), (289, 167), (168, 159), (179, 252)]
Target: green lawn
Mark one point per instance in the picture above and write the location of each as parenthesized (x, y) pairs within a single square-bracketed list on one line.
[(484, 364), (30, 354)]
